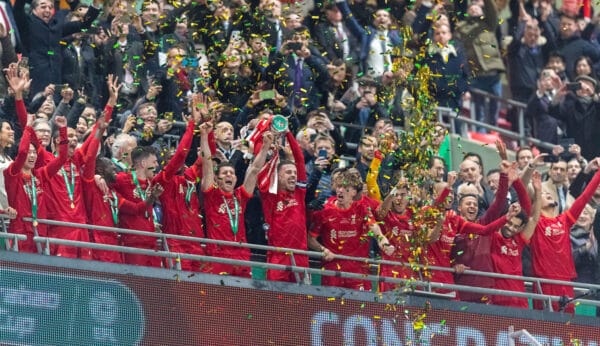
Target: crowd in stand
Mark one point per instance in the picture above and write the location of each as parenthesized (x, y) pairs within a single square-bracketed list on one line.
[(96, 95)]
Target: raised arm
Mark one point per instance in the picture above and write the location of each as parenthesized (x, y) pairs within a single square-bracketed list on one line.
[(498, 206), (178, 159), (89, 168), (298, 157), (372, 175), (18, 84), (537, 206), (208, 173), (353, 25), (17, 165), (466, 227), (55, 164), (258, 163), (384, 208)]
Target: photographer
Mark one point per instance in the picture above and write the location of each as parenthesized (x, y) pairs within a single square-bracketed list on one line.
[(298, 69), (578, 106), (364, 110)]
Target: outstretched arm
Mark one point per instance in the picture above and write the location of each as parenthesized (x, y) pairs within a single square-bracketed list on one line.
[(298, 157), (208, 173), (258, 163), (89, 168), (178, 159), (17, 165), (372, 175), (537, 207), (55, 164)]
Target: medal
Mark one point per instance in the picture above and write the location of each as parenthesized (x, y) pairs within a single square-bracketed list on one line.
[(72, 205), (35, 223)]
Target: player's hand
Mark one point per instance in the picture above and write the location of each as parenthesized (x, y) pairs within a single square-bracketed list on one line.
[(328, 255), (60, 121)]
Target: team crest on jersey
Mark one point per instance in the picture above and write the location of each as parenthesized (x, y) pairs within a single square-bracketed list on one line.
[(332, 235), (504, 250), (281, 205), (395, 231), (353, 219)]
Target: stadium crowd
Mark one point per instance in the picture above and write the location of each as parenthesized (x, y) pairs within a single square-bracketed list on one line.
[(215, 118)]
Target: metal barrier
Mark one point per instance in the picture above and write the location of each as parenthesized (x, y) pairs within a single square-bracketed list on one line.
[(585, 289), (448, 117)]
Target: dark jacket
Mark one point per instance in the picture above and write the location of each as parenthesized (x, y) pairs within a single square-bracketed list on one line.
[(42, 43), (582, 122)]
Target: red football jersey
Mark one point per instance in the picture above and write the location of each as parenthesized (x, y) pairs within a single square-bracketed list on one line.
[(143, 221), (506, 257), (344, 232), (399, 232), (218, 223)]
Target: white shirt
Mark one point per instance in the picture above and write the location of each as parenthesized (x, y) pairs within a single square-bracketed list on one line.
[(379, 55)]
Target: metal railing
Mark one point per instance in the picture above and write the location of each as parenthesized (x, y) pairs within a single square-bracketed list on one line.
[(448, 117), (418, 286)]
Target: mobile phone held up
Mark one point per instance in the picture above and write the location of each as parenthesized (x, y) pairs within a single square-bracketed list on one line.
[(266, 94), (574, 86), (322, 154), (294, 46)]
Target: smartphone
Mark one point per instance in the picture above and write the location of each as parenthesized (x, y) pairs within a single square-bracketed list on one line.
[(266, 94), (294, 46), (24, 62), (322, 154), (566, 143), (574, 86)]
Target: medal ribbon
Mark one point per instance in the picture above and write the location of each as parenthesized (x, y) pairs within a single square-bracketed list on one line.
[(114, 207), (32, 194), (191, 187), (233, 221), (142, 194), (70, 187)]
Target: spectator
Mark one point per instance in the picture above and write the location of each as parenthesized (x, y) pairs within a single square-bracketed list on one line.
[(449, 69), (557, 185), (584, 246), (477, 34), (42, 34), (364, 110), (569, 43), (579, 110), (376, 42), (537, 114), (334, 38), (525, 57)]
